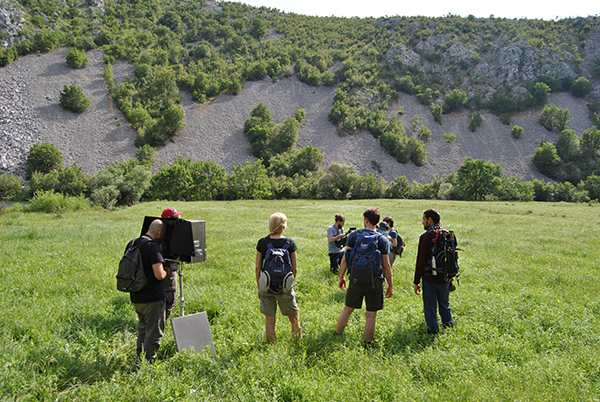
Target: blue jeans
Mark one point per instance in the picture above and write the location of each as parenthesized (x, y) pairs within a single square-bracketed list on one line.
[(434, 295)]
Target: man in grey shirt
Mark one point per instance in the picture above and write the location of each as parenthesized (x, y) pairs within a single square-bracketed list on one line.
[(335, 232)]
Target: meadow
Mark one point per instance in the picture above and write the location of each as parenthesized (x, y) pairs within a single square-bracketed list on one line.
[(526, 309)]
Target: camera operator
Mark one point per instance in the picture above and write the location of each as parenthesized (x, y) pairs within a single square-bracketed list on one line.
[(170, 281), (335, 233)]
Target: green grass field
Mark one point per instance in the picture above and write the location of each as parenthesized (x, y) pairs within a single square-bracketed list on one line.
[(527, 309)]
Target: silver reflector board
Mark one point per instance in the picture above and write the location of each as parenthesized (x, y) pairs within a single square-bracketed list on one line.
[(192, 332)]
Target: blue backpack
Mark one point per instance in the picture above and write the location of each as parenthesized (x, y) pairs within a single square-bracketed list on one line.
[(277, 269), (364, 259)]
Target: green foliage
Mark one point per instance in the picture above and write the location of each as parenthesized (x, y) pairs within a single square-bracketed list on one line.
[(570, 158), (130, 178), (73, 99), (69, 182), (338, 181), (185, 180), (249, 182), (454, 100), (108, 76), (77, 58), (540, 93), (449, 137), (581, 87), (268, 139), (476, 178), (10, 187), (554, 118), (146, 155), (300, 114), (425, 133), (517, 131), (43, 158), (546, 159), (436, 112), (51, 202), (475, 122)]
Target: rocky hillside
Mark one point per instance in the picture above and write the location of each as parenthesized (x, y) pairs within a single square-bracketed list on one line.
[(30, 113)]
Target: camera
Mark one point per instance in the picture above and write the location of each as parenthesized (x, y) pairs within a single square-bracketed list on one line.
[(341, 242), (185, 240)]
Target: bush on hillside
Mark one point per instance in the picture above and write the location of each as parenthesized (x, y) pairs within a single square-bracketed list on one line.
[(43, 158), (73, 99), (10, 186), (77, 58)]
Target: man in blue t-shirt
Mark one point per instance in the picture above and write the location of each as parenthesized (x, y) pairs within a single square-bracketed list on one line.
[(373, 294)]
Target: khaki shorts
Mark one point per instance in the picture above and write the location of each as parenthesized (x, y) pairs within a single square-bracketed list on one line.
[(286, 301), (373, 297)]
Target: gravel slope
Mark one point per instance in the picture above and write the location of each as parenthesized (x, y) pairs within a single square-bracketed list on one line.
[(30, 113)]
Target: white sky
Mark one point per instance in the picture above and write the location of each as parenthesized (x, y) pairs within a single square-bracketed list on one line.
[(532, 9)]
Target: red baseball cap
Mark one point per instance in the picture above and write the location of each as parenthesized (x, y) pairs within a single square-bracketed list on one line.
[(170, 213)]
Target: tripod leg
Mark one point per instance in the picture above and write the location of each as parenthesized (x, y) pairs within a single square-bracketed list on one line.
[(181, 300)]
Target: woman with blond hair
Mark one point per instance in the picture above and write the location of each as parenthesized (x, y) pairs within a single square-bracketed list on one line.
[(286, 299)]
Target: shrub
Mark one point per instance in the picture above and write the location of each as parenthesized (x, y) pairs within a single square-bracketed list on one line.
[(450, 137), (43, 158), (49, 202), (554, 118), (106, 197), (77, 58), (476, 121), (517, 131), (73, 98), (581, 87), (10, 186), (437, 112)]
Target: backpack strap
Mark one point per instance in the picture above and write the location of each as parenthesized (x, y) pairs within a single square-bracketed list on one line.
[(140, 241)]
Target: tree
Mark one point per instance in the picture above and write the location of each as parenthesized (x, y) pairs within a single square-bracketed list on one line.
[(130, 178), (476, 121), (581, 87), (43, 158), (540, 93), (249, 182), (73, 98), (454, 100), (337, 182), (567, 145), (476, 178), (437, 112), (554, 118), (285, 137), (546, 159), (77, 58)]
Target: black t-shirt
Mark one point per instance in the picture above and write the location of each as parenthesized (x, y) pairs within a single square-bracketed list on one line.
[(154, 291), (261, 246)]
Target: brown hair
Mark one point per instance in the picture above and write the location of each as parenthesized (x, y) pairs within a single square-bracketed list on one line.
[(372, 215)]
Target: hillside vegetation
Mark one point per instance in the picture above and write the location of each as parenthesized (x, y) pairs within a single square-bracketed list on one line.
[(425, 89), (527, 329)]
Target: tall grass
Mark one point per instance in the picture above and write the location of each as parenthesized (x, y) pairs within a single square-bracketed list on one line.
[(527, 309)]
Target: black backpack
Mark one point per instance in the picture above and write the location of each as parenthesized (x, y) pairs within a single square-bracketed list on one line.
[(131, 276), (444, 263), (278, 268), (399, 247)]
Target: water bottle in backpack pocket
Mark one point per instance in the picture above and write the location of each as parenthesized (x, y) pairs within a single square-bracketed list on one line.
[(364, 259), (277, 276)]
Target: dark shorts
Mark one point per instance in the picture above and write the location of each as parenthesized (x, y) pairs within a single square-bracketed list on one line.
[(373, 297)]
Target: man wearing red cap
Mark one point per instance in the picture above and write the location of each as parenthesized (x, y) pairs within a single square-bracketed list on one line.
[(170, 281)]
